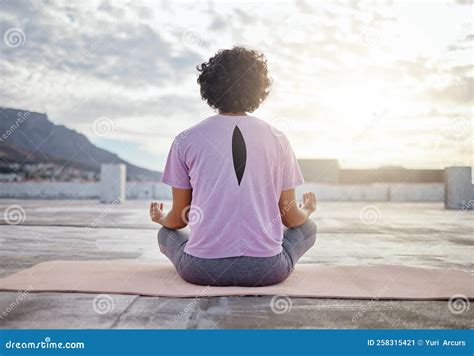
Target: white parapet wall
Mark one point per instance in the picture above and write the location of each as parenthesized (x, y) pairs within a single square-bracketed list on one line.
[(417, 192), (156, 190), (148, 190), (80, 190), (333, 192), (50, 190)]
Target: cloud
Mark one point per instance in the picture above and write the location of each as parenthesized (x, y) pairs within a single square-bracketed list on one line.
[(456, 92), (135, 63)]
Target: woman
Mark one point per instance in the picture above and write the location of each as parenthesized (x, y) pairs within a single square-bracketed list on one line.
[(233, 178)]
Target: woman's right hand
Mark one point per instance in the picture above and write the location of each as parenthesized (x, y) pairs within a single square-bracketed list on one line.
[(156, 212), (309, 202)]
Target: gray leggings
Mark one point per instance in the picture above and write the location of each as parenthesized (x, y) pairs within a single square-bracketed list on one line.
[(237, 271)]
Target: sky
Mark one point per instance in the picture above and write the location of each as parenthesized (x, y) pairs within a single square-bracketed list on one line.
[(379, 83)]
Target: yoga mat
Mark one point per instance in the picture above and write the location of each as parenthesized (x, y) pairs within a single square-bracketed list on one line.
[(308, 280)]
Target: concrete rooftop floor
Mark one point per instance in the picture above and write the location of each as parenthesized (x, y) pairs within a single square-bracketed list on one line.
[(410, 234)]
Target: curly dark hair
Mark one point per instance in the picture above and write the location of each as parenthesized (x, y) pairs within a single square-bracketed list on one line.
[(234, 80)]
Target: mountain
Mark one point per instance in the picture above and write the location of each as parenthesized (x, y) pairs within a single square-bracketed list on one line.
[(29, 137), (13, 154)]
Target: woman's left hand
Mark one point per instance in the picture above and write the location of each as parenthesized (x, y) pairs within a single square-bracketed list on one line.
[(156, 212)]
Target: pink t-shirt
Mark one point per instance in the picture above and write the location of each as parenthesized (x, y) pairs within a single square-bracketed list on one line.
[(237, 167)]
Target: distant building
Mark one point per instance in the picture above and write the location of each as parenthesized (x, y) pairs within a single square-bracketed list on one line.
[(390, 175), (320, 170), (10, 177), (328, 171)]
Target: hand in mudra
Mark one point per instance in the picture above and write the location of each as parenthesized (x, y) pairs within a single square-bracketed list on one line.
[(309, 202), (156, 212)]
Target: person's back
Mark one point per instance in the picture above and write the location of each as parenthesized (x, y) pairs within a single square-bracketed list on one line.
[(237, 167), (233, 178)]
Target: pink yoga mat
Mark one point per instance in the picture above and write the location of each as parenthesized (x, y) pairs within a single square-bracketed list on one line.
[(308, 280)]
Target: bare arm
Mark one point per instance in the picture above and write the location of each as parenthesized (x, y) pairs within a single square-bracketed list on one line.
[(175, 219), (291, 214)]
